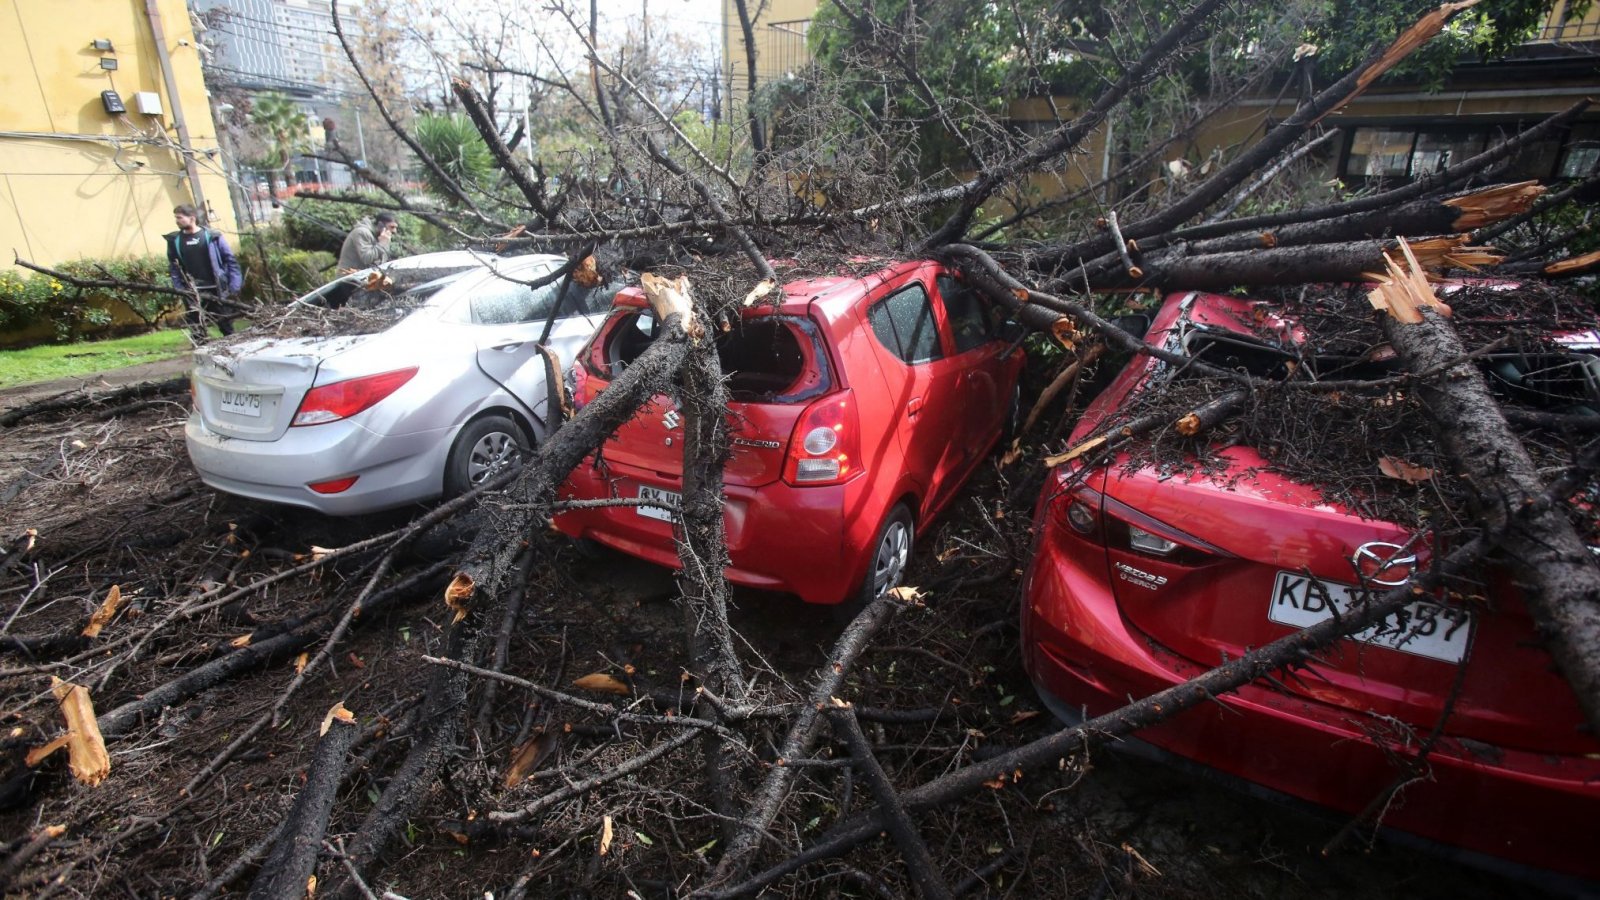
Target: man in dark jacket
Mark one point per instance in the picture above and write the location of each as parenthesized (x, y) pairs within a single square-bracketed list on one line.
[(201, 263), (367, 245)]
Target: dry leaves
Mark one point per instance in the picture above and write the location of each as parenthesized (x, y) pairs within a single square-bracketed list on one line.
[(601, 683), (587, 274), (1397, 468), (528, 756)]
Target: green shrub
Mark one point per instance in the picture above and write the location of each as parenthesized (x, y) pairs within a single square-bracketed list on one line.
[(311, 224), (30, 302), (275, 273)]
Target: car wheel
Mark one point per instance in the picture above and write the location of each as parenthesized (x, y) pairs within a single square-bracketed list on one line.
[(482, 449), (891, 555)]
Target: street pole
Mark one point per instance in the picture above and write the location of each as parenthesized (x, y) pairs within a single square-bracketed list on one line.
[(152, 9)]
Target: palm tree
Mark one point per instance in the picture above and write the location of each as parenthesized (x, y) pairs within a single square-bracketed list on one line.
[(282, 126)]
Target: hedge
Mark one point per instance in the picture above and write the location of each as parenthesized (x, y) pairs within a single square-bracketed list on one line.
[(36, 306)]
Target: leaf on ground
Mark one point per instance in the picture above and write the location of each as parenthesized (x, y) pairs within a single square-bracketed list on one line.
[(528, 756), (601, 683), (1410, 473), (107, 611)]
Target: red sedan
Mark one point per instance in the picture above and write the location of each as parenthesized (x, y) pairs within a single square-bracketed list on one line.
[(1142, 579), (859, 406)]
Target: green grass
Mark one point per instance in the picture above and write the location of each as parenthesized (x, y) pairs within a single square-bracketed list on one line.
[(52, 361)]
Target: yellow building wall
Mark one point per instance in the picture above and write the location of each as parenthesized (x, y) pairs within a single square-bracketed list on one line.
[(779, 31), (76, 182)]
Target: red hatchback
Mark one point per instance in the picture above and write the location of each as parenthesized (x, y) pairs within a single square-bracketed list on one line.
[(1144, 578), (858, 406)]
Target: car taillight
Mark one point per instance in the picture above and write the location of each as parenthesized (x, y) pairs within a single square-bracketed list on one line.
[(1089, 515), (1127, 528), (825, 446), (343, 399)]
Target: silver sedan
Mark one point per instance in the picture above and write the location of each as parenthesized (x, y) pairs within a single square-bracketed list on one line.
[(431, 405)]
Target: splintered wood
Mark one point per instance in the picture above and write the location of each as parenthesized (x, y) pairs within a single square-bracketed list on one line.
[(1494, 204), (107, 611), (1404, 290), (86, 749), (669, 295), (1403, 46)]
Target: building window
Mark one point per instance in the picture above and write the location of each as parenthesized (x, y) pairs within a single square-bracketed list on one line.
[(1401, 152)]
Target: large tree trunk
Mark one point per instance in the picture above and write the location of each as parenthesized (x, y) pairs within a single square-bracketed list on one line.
[(1561, 579)]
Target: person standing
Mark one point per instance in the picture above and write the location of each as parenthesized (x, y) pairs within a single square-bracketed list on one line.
[(201, 263), (367, 245)]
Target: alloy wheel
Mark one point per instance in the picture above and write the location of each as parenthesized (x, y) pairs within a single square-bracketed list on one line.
[(493, 452)]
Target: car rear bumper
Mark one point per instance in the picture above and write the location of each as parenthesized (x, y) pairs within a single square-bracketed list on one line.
[(1533, 809), (802, 541), (391, 470)]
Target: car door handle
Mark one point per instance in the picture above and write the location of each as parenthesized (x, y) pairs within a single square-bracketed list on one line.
[(508, 347), (913, 406)]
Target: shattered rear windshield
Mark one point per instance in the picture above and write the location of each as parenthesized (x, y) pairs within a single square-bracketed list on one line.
[(767, 359)]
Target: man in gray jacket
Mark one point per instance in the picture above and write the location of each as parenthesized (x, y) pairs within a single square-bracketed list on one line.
[(367, 245)]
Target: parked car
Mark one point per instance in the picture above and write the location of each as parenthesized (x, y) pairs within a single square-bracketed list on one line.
[(1144, 576), (859, 406), (447, 389)]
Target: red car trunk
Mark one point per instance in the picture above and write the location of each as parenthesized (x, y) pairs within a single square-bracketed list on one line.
[(1276, 560), (775, 365)]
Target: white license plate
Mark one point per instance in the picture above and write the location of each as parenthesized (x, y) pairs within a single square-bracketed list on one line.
[(665, 503), (241, 403), (1423, 628)]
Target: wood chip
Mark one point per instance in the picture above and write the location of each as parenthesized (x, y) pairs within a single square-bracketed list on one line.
[(1573, 265), (337, 714), (458, 595), (759, 291), (86, 749), (1053, 461), (107, 611)]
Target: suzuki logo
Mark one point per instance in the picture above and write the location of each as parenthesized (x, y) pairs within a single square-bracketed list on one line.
[(1380, 562), (671, 420)]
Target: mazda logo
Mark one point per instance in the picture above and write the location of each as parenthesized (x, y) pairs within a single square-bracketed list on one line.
[(1380, 562)]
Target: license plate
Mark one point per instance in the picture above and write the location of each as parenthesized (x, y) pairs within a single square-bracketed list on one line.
[(1421, 628), (664, 503), (241, 403)]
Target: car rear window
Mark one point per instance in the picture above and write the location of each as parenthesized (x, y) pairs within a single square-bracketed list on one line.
[(767, 359)]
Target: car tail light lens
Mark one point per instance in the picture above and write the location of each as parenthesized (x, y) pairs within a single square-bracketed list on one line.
[(1130, 529), (825, 446), (343, 399)]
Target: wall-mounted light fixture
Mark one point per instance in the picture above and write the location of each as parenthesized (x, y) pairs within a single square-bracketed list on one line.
[(109, 63), (103, 45)]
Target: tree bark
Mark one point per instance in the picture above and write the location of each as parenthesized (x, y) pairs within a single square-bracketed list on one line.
[(1562, 579), (294, 856)]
